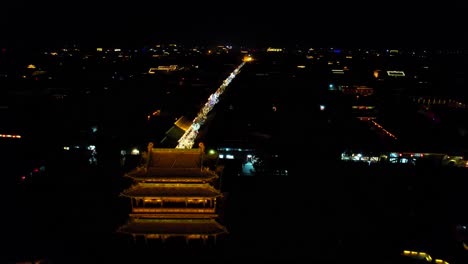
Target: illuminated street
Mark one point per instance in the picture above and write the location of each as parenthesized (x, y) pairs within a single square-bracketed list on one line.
[(188, 139)]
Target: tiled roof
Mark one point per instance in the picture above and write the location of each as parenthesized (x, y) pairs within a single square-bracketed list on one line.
[(175, 158), (172, 175), (171, 190), (175, 227)]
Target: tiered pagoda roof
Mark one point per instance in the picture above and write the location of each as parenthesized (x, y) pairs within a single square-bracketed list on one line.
[(162, 175), (172, 190), (173, 195), (168, 228)]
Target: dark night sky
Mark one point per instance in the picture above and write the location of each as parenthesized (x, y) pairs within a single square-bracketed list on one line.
[(237, 22)]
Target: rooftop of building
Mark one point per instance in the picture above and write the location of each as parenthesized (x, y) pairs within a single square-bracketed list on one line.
[(168, 175), (195, 190), (173, 227)]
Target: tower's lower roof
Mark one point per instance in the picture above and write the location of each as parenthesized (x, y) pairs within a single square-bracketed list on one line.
[(173, 227)]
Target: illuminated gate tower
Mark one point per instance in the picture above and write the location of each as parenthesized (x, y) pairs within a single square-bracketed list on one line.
[(173, 196)]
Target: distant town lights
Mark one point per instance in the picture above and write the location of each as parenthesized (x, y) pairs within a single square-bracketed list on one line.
[(135, 152), (247, 58), (274, 49), (9, 136)]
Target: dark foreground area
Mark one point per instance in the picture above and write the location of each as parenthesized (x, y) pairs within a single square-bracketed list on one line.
[(330, 212)]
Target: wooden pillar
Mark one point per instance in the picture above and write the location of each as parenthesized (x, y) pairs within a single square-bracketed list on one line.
[(150, 152), (202, 154)]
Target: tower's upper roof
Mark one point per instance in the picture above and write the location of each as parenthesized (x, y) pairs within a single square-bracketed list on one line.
[(173, 165)]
